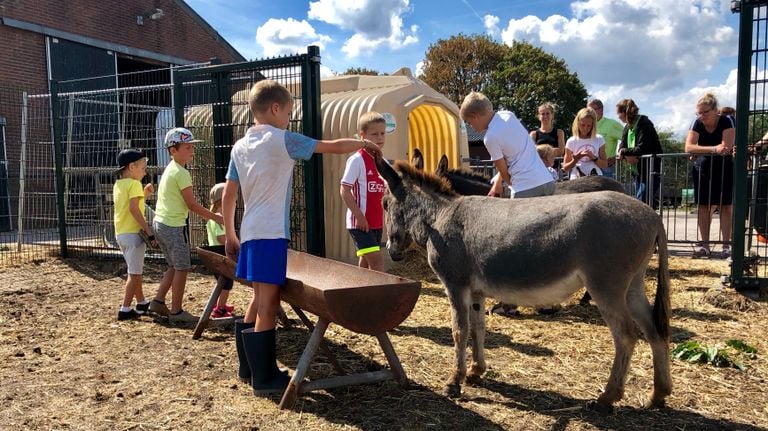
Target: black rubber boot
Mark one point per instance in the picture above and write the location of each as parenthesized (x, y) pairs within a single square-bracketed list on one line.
[(266, 377), (243, 372)]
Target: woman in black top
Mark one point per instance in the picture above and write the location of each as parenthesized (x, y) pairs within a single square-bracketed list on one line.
[(712, 135), (547, 134), (639, 138)]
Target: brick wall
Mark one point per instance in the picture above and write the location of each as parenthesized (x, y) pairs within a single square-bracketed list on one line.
[(177, 33)]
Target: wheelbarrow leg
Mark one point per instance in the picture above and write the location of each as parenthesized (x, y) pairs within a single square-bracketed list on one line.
[(205, 317), (326, 351), (294, 386), (392, 358)]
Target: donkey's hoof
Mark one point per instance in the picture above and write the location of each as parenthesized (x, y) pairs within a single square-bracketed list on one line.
[(474, 379), (655, 404), (598, 407), (452, 391)]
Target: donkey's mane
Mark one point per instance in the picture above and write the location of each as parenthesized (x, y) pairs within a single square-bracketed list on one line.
[(424, 179), (469, 174)]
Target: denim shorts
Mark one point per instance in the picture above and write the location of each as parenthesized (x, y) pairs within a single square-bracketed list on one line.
[(133, 249), (174, 245)]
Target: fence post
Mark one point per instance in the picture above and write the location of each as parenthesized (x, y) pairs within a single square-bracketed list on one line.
[(178, 98), (59, 169), (222, 122), (313, 168), (740, 161)]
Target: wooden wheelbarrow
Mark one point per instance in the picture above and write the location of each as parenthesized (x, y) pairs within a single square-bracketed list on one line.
[(360, 300)]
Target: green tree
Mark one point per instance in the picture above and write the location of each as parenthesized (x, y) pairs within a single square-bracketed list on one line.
[(461, 64), (361, 71), (527, 76), (519, 77)]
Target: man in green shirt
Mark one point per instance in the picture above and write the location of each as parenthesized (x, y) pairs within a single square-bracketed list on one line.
[(610, 130)]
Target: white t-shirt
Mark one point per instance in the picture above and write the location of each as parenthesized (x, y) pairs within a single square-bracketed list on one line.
[(262, 162), (585, 165), (507, 138)]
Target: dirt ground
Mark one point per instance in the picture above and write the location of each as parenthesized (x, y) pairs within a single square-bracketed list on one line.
[(66, 363)]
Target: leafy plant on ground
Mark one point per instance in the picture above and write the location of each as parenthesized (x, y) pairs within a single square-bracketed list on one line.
[(732, 355)]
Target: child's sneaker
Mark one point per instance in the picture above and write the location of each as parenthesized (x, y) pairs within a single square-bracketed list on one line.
[(142, 308), (128, 315), (159, 308), (182, 317), (230, 308), (221, 313)]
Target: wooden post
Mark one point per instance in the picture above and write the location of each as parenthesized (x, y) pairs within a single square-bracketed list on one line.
[(326, 351), (294, 386), (203, 321)]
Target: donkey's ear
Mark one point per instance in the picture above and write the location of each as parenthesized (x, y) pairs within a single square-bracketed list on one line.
[(418, 159), (442, 165), (393, 180)]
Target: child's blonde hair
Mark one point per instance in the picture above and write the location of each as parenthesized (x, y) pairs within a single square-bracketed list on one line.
[(369, 118), (584, 113), (475, 104), (264, 93), (546, 152), (215, 194)]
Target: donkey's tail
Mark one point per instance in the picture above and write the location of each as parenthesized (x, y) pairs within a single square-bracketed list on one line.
[(661, 305)]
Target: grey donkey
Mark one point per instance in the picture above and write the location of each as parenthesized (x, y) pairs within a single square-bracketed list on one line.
[(480, 247)]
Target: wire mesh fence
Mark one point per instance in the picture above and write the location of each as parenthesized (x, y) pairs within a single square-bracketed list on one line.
[(59, 168)]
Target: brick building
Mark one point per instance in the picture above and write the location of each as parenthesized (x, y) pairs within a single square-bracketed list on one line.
[(67, 40)]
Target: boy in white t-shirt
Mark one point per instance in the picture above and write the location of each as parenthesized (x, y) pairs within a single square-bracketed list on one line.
[(511, 148), (362, 190), (261, 166)]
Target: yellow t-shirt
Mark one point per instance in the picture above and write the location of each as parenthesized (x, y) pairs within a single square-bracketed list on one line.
[(123, 191), (171, 209), (214, 231)]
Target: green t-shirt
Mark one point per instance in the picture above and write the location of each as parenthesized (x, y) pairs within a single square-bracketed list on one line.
[(171, 209), (214, 230), (611, 132), (123, 191)]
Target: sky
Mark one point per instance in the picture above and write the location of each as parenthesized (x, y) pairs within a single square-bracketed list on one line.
[(663, 54)]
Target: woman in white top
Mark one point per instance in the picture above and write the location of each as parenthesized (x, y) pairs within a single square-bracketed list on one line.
[(584, 151)]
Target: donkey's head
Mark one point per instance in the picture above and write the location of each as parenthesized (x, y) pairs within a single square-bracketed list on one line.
[(398, 237), (404, 182)]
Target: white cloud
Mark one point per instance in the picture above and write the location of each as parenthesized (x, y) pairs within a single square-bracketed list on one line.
[(375, 23), (491, 24), (288, 36), (653, 44), (682, 106)]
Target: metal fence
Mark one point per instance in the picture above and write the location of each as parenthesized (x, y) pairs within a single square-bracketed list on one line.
[(750, 268), (66, 166)]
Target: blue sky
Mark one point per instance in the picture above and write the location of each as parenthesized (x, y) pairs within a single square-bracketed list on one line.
[(664, 54)]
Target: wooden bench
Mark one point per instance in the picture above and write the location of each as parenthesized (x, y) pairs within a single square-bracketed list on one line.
[(360, 300)]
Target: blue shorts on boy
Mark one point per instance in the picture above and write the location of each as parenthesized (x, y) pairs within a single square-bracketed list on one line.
[(262, 162), (263, 261), (133, 249), (366, 241)]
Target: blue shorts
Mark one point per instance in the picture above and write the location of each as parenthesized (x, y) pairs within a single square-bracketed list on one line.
[(263, 261)]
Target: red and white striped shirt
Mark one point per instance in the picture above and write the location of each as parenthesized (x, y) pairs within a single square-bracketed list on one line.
[(367, 186)]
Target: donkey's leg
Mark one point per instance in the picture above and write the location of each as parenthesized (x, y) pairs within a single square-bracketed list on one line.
[(477, 332), (459, 300), (641, 312), (611, 301)]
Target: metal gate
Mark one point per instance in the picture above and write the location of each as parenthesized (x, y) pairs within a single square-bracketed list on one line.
[(64, 200), (749, 270)]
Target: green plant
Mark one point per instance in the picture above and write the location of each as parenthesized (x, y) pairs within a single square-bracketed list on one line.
[(729, 356)]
